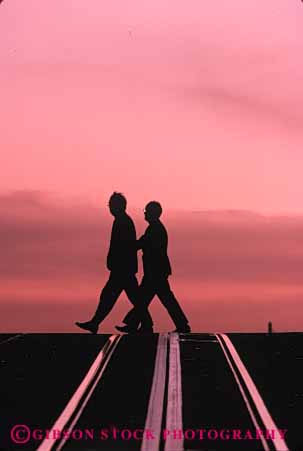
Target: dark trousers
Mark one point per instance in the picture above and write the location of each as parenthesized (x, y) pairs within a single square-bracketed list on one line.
[(147, 290), (113, 288)]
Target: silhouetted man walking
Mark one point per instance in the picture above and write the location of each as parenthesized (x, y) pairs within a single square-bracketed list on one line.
[(122, 263), (156, 272)]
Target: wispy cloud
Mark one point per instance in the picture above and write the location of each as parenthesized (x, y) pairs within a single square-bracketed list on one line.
[(54, 252)]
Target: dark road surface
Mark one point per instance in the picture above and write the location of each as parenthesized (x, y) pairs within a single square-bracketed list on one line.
[(163, 392)]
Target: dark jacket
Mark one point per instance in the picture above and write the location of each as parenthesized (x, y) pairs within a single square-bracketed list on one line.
[(154, 246), (122, 254)]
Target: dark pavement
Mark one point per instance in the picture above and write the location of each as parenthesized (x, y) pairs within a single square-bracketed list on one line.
[(41, 372)]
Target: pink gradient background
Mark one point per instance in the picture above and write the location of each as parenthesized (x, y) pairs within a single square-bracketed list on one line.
[(197, 105)]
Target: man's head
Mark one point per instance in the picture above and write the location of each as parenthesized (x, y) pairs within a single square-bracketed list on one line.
[(117, 204), (153, 211)]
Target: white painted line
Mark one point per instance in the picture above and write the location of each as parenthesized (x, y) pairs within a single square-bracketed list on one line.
[(251, 413), (153, 420), (74, 403), (269, 423), (11, 338), (174, 419)]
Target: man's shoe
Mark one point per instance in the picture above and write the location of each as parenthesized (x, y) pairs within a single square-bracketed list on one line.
[(183, 329), (88, 325), (126, 329)]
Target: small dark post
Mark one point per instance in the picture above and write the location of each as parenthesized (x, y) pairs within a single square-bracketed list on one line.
[(270, 328)]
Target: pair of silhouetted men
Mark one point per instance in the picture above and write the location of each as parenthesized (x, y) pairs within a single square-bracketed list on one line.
[(123, 266)]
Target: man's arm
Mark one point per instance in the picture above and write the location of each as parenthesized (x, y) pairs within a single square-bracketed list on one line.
[(111, 250), (140, 242)]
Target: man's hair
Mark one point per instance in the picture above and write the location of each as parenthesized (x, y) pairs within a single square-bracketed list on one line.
[(154, 208), (118, 200)]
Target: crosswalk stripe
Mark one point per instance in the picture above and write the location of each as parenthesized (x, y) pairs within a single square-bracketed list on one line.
[(174, 397), (154, 416), (81, 396), (269, 423)]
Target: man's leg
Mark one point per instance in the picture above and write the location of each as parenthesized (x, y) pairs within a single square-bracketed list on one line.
[(140, 314), (108, 297), (171, 304)]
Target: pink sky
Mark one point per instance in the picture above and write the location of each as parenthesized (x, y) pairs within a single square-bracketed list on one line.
[(232, 270), (197, 105)]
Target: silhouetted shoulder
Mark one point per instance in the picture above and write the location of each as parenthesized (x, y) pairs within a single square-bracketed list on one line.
[(122, 255), (154, 245), (162, 227), (125, 225), (159, 232)]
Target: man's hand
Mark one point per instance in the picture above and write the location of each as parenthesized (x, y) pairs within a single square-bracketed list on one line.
[(140, 242)]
